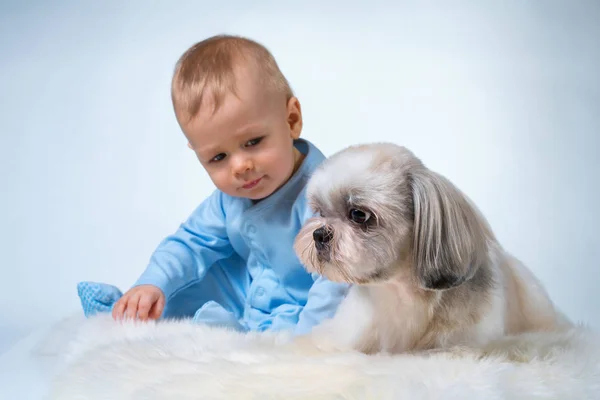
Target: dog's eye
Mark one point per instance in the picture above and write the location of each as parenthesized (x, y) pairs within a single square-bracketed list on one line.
[(359, 216)]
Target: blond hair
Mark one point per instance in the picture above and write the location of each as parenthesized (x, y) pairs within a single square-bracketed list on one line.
[(208, 67)]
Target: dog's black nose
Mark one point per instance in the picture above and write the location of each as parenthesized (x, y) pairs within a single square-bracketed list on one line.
[(322, 235)]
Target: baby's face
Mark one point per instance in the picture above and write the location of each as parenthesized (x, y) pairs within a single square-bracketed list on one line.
[(247, 145)]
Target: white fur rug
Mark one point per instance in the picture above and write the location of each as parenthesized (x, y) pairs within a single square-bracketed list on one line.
[(177, 360)]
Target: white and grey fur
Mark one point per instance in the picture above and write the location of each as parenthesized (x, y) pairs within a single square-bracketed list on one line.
[(427, 270)]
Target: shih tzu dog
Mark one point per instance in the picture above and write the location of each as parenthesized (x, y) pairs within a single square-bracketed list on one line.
[(426, 269)]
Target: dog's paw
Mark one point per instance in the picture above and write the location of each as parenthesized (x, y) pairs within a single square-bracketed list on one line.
[(453, 352), (301, 345), (310, 346), (512, 354)]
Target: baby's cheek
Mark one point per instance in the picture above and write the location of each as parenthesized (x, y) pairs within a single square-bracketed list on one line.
[(271, 163), (286, 163), (221, 179)]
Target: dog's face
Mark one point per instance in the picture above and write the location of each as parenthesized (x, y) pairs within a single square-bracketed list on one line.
[(381, 214)]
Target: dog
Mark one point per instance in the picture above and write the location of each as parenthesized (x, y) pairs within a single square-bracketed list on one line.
[(425, 269)]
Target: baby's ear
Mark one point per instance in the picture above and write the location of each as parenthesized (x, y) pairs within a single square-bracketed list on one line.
[(294, 117), (450, 238)]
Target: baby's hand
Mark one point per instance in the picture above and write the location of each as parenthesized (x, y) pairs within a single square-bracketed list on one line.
[(143, 302)]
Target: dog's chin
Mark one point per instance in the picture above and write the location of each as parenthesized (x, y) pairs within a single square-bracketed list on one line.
[(378, 276), (341, 274), (332, 273)]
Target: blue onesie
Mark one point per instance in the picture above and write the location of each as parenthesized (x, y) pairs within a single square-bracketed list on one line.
[(232, 263)]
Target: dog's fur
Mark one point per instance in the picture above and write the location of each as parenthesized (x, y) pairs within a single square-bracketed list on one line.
[(426, 269)]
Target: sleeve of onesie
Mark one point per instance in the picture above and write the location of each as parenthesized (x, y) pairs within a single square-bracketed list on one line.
[(183, 257), (324, 297)]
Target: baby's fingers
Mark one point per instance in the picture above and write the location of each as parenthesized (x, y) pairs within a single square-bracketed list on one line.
[(158, 308), (132, 306), (119, 307), (144, 307)]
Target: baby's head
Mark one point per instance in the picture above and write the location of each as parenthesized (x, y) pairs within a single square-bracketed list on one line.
[(238, 114)]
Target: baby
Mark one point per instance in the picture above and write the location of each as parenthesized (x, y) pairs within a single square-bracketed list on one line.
[(232, 263)]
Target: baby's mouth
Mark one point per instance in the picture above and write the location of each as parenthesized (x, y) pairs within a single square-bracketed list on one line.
[(251, 184)]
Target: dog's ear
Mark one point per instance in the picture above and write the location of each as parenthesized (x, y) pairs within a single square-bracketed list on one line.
[(450, 237)]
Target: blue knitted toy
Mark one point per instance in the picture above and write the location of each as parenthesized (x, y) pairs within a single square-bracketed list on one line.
[(97, 297)]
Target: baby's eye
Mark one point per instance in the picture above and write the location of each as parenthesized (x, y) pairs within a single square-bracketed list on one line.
[(254, 142), (218, 157)]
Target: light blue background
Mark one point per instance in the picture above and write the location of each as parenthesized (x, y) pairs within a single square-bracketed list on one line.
[(501, 97)]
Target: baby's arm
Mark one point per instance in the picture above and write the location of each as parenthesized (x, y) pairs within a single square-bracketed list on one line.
[(180, 260), (324, 298), (347, 330)]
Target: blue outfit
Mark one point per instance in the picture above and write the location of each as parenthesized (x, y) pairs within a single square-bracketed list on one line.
[(232, 263)]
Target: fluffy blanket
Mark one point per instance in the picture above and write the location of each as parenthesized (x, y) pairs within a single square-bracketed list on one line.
[(178, 360)]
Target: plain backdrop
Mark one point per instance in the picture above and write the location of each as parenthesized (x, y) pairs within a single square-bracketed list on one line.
[(501, 97)]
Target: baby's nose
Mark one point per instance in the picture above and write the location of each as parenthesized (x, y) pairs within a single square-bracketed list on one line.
[(242, 166)]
